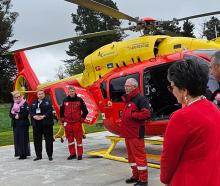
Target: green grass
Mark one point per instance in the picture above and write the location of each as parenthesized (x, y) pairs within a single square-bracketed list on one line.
[(6, 133), (5, 121)]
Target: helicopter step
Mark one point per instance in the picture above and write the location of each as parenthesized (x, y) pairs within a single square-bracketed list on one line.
[(153, 155)]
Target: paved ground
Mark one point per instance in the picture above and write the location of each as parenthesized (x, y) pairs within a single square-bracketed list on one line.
[(60, 172)]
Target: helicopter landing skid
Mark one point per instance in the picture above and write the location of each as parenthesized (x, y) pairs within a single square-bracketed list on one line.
[(106, 153)]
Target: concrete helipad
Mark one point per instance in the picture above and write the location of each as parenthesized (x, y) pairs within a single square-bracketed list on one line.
[(61, 172)]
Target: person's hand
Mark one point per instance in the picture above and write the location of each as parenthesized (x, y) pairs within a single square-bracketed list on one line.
[(16, 116), (36, 117), (42, 117)]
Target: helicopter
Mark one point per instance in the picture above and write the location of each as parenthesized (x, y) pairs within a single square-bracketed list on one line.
[(145, 58)]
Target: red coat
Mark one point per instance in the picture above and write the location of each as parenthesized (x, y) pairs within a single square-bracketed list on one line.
[(191, 151), (73, 110), (135, 112)]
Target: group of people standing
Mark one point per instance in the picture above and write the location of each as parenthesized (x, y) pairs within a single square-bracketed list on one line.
[(41, 113), (191, 149), (41, 119)]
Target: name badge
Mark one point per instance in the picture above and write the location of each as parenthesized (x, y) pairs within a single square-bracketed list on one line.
[(38, 111)]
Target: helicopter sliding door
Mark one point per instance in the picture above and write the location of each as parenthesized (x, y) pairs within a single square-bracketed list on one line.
[(155, 83), (162, 102)]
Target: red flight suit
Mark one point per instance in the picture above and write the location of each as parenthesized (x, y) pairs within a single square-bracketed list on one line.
[(136, 111), (73, 111)]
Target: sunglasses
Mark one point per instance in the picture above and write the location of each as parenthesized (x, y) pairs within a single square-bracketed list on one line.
[(170, 88)]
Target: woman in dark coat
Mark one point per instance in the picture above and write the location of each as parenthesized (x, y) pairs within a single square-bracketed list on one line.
[(20, 123)]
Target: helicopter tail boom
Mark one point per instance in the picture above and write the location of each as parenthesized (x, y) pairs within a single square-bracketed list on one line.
[(26, 79)]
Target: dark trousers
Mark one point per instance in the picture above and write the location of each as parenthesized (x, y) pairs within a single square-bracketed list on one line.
[(21, 140), (39, 131)]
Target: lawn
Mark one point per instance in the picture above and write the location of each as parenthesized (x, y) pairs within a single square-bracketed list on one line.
[(6, 134)]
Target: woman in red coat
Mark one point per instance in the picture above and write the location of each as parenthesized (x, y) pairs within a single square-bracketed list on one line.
[(191, 150)]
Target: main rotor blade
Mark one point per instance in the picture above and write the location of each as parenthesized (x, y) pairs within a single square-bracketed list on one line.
[(85, 36), (92, 5), (197, 16)]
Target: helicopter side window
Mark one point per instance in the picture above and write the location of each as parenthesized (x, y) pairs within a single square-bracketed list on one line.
[(60, 95), (155, 83), (103, 88), (117, 86)]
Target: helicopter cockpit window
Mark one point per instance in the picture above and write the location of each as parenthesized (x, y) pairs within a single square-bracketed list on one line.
[(162, 102), (117, 86), (103, 89), (60, 95)]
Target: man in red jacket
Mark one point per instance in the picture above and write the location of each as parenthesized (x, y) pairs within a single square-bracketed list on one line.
[(136, 111), (73, 112)]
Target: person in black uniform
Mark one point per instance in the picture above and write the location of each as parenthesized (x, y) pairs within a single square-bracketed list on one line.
[(41, 112), (215, 70), (20, 123)]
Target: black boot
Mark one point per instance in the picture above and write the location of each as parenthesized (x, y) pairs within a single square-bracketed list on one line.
[(37, 158), (140, 183), (22, 157), (71, 157), (131, 180), (50, 158), (79, 158)]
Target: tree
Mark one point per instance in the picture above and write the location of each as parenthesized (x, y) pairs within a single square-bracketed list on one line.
[(89, 21), (7, 67), (60, 73), (212, 27), (188, 28), (167, 28)]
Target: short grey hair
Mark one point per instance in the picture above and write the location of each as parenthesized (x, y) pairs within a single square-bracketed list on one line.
[(132, 81), (71, 88), (216, 58)]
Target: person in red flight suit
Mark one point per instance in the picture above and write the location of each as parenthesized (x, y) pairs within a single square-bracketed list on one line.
[(135, 112), (191, 148), (73, 112)]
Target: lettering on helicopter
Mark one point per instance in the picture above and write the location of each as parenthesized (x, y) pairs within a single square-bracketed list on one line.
[(138, 45)]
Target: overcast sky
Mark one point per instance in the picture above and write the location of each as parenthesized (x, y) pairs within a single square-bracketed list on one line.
[(47, 20)]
